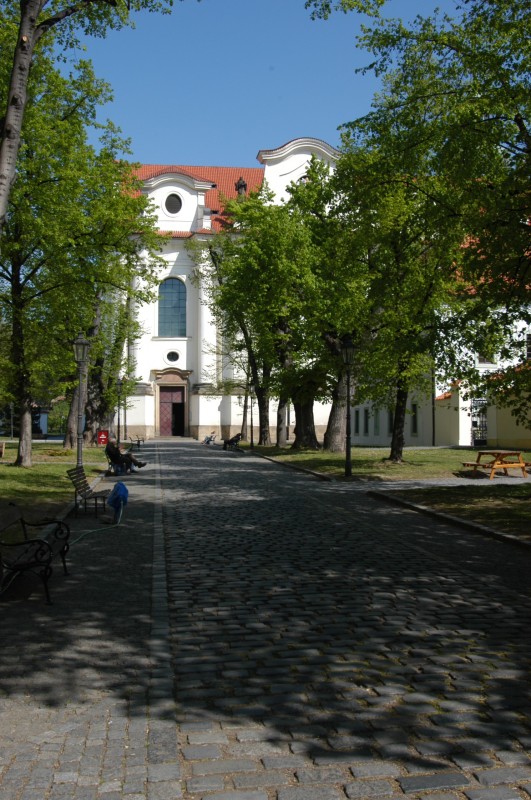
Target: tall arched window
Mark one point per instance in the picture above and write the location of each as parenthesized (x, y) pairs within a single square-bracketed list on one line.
[(172, 308)]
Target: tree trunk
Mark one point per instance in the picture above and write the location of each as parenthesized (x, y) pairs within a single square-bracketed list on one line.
[(244, 428), (399, 421), (22, 378), (282, 422), (16, 102), (23, 458), (262, 399), (335, 435), (305, 437)]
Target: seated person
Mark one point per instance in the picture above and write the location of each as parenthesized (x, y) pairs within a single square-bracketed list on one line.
[(124, 460), (209, 438)]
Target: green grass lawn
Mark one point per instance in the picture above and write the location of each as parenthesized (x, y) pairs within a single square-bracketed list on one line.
[(45, 485)]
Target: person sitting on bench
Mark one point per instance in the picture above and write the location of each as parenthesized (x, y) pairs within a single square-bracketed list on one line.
[(124, 460), (209, 437)]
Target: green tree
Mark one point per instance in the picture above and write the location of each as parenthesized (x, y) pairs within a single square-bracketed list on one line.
[(261, 286), (77, 231), (456, 105), (29, 22)]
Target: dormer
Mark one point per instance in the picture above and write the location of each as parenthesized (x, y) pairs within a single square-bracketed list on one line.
[(178, 198), (288, 163)]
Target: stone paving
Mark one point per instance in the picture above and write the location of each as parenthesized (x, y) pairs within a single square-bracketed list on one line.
[(251, 633)]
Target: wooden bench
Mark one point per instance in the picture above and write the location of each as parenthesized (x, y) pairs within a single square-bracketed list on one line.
[(31, 547), (83, 492), (136, 440)]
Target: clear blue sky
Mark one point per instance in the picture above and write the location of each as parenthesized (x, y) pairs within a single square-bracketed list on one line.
[(219, 80)]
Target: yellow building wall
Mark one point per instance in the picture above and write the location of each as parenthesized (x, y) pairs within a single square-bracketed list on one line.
[(503, 431)]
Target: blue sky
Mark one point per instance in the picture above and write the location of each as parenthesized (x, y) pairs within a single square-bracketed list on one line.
[(219, 80)]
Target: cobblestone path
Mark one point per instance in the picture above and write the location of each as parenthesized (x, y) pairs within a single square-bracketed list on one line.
[(251, 633), (326, 646)]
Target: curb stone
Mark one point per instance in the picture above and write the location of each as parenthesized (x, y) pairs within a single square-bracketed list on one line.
[(463, 523)]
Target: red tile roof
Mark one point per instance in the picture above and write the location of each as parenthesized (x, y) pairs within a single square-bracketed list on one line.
[(223, 181)]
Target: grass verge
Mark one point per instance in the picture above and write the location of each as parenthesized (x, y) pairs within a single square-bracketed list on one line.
[(45, 486)]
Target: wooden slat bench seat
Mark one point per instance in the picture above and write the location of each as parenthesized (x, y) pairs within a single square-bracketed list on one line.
[(83, 492), (31, 547)]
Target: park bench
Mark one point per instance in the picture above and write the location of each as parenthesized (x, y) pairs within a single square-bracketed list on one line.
[(83, 492), (136, 440), (232, 444), (31, 547)]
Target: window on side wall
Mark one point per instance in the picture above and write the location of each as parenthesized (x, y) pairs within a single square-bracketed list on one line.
[(376, 423), (172, 308), (366, 421), (357, 421)]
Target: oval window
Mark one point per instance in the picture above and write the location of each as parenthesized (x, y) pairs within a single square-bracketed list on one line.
[(172, 356), (173, 204)]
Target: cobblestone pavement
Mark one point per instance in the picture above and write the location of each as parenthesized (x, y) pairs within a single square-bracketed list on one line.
[(251, 633)]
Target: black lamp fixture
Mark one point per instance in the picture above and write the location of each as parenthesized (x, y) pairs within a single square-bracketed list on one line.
[(81, 350), (347, 354)]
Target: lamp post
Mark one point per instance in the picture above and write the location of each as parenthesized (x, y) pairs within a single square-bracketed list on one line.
[(251, 389), (81, 348), (119, 385), (347, 353)]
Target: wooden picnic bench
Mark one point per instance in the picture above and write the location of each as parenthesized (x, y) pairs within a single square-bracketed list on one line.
[(497, 460), (83, 492), (31, 547)]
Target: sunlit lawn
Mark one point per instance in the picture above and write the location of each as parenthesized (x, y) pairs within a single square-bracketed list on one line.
[(45, 485), (372, 462)]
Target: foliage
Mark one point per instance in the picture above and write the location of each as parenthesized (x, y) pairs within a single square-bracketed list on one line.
[(452, 119), (77, 233)]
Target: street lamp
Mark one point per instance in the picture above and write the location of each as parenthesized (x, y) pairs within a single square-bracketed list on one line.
[(347, 353), (81, 348), (119, 385), (251, 389)]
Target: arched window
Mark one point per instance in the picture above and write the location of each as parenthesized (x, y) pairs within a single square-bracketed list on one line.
[(172, 308)]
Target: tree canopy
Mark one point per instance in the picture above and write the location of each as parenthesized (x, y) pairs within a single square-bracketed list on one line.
[(77, 238)]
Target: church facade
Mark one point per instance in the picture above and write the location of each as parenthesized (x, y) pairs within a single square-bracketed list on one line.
[(176, 359)]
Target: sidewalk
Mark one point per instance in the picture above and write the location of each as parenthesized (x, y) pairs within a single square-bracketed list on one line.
[(250, 633)]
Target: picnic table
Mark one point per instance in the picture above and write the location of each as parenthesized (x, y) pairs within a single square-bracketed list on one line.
[(496, 460)]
